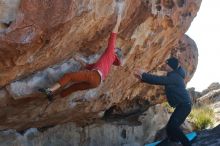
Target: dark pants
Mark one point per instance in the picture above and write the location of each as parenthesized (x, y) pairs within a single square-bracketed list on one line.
[(177, 118)]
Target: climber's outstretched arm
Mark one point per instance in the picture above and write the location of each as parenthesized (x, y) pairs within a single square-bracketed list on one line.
[(115, 29)]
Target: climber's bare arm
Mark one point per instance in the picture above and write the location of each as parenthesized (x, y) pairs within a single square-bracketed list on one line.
[(115, 29)]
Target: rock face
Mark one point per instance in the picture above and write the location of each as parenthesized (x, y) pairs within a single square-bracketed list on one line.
[(211, 88), (40, 44), (94, 135), (209, 137), (99, 134)]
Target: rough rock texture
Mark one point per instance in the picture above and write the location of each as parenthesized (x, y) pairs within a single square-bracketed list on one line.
[(212, 87), (45, 34), (209, 137), (94, 135), (208, 95), (100, 134)]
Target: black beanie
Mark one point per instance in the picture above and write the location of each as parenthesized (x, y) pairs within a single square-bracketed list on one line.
[(173, 62)]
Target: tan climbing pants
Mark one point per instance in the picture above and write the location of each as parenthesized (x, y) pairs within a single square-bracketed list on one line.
[(82, 80)]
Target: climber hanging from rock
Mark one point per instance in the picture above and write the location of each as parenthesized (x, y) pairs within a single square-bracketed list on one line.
[(93, 74)]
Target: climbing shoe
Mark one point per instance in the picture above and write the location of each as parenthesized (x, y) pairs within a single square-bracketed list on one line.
[(47, 92)]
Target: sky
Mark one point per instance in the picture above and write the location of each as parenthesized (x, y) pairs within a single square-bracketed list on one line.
[(205, 31)]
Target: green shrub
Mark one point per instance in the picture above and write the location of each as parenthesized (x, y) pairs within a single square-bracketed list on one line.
[(201, 117)]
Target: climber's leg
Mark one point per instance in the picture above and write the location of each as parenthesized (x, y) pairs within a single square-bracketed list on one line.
[(90, 79)]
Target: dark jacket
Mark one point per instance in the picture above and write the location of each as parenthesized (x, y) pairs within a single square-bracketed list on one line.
[(174, 85)]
